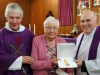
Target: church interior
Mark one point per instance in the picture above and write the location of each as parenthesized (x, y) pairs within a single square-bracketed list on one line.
[(36, 11)]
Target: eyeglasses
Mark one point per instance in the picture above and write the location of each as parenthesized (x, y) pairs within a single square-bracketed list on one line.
[(49, 28)]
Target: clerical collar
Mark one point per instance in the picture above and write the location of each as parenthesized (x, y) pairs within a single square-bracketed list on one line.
[(21, 28), (92, 33)]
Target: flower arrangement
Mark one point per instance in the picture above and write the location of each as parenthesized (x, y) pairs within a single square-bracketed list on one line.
[(75, 29)]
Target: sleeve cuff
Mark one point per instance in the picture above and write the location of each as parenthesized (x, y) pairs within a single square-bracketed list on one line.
[(16, 64), (83, 68)]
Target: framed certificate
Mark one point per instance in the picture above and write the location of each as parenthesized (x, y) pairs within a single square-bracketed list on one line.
[(96, 2)]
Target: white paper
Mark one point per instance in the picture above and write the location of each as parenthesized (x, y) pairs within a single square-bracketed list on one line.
[(66, 51), (60, 72)]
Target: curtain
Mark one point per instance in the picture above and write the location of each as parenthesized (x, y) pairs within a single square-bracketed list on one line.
[(65, 12)]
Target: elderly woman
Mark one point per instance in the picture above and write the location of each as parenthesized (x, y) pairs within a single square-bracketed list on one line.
[(44, 49)]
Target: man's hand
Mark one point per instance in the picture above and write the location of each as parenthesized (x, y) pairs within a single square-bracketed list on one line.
[(78, 62), (27, 60)]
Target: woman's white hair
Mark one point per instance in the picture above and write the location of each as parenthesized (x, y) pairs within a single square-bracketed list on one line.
[(50, 20), (13, 7)]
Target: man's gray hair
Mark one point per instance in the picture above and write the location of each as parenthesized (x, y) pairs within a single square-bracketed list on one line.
[(50, 20), (13, 7), (95, 15)]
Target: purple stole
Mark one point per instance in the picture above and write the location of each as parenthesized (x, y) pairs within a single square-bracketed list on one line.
[(94, 45)]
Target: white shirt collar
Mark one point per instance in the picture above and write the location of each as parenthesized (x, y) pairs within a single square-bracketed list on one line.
[(92, 33), (21, 28)]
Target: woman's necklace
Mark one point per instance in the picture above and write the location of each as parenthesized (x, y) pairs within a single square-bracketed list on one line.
[(50, 42)]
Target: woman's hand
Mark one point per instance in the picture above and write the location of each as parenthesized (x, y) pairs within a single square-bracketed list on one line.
[(70, 74), (54, 61), (27, 60)]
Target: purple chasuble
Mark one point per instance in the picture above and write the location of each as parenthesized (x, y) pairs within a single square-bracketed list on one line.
[(13, 45), (94, 45)]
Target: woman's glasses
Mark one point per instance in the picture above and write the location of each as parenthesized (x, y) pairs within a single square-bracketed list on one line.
[(52, 28)]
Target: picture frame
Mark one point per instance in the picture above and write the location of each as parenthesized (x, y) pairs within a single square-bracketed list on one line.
[(82, 5), (96, 2)]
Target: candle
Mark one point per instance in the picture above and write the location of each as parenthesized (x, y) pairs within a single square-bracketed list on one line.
[(34, 29), (29, 27)]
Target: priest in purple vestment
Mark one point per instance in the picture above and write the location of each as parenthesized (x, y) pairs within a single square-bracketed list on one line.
[(88, 45), (15, 44)]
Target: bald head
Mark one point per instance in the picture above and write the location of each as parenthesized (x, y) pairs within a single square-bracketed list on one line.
[(89, 13)]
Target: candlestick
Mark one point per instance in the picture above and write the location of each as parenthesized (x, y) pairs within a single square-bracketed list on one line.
[(30, 27), (34, 29)]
